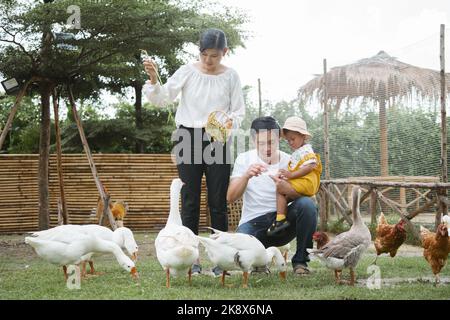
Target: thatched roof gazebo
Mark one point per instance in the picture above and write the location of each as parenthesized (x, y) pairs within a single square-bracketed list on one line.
[(381, 78)]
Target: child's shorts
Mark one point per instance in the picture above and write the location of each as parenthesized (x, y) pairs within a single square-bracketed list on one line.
[(307, 185)]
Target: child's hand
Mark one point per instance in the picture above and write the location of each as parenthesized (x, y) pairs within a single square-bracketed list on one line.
[(284, 174)]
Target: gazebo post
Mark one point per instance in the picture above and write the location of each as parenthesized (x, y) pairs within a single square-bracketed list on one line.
[(384, 160), (444, 172)]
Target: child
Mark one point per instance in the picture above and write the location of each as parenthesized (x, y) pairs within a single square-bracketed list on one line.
[(303, 172)]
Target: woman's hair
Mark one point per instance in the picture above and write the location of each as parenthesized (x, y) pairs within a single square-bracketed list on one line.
[(213, 39)]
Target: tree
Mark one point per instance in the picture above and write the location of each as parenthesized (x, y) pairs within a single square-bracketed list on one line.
[(31, 48)]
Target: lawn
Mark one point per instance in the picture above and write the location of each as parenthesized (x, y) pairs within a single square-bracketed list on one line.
[(25, 276)]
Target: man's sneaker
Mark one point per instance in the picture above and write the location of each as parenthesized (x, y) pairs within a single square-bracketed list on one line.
[(196, 269), (218, 271), (278, 226)]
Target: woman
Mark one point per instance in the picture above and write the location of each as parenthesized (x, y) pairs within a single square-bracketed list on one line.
[(205, 86)]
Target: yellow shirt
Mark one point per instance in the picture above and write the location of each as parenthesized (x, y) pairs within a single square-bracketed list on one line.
[(309, 184)]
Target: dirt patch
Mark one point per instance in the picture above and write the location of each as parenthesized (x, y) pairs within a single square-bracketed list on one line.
[(389, 282)]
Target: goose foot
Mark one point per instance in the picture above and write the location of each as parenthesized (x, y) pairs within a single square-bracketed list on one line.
[(190, 276), (337, 276), (245, 278)]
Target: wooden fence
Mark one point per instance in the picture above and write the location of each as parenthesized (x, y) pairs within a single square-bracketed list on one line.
[(415, 195), (141, 180)]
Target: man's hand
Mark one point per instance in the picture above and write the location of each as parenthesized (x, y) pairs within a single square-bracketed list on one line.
[(255, 170)]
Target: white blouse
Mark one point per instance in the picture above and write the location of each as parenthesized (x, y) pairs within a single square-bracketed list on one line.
[(200, 95)]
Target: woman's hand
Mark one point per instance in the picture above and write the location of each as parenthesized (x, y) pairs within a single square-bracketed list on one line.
[(229, 124), (152, 69)]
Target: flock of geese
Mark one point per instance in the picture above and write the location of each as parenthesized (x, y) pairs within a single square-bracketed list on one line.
[(177, 247)]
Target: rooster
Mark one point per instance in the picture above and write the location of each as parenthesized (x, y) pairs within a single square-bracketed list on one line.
[(389, 237), (321, 239), (435, 248)]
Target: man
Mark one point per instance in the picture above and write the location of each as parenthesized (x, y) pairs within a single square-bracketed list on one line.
[(254, 178)]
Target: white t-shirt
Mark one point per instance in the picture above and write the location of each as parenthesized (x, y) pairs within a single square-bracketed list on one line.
[(260, 195), (201, 94)]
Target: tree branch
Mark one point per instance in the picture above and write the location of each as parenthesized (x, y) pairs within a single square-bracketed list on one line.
[(22, 48)]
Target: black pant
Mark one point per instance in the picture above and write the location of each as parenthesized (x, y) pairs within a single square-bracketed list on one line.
[(196, 156)]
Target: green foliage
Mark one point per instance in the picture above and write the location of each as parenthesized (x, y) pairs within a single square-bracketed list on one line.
[(106, 49), (24, 134), (119, 135), (337, 226)]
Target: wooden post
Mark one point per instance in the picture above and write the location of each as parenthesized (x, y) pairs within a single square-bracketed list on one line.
[(384, 158), (326, 122), (322, 212), (402, 199), (326, 199), (345, 213), (259, 98), (373, 206), (444, 172), (13, 112), (98, 183), (62, 205)]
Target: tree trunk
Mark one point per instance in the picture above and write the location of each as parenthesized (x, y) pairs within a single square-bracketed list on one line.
[(62, 207), (138, 114), (44, 151)]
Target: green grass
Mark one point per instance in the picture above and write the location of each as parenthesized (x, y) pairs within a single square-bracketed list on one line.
[(25, 276)]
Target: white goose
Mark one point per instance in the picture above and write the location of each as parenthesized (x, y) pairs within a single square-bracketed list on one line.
[(285, 251), (176, 246), (122, 236), (234, 251), (275, 256), (74, 247)]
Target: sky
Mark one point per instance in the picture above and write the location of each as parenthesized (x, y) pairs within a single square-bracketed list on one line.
[(290, 38)]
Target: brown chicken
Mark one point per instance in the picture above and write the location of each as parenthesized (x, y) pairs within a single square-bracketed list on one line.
[(321, 239), (436, 248), (389, 237)]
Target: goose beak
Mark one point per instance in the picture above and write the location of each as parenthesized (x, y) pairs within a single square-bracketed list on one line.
[(283, 275), (134, 273), (134, 256)]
